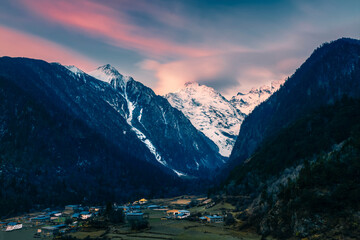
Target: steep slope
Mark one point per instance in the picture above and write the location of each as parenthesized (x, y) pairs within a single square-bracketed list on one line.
[(125, 112), (50, 157), (79, 95), (331, 72), (305, 180), (167, 133), (297, 153), (322, 201), (246, 102), (210, 113)]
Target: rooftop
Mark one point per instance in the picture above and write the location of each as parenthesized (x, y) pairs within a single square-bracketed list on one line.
[(12, 223)]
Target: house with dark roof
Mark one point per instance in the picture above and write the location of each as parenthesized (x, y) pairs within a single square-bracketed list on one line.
[(41, 219), (214, 219), (52, 230), (134, 216)]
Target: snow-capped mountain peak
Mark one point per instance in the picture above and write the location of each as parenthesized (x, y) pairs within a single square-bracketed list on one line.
[(105, 73), (246, 102), (215, 116), (111, 75), (210, 113)]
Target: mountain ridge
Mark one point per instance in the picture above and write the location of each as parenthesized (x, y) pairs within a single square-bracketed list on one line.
[(125, 111), (296, 156), (266, 118), (137, 96)]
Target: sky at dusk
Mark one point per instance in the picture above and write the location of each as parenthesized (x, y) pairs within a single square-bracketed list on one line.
[(229, 45)]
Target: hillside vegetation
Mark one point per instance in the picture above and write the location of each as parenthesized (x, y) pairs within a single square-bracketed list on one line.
[(306, 179)]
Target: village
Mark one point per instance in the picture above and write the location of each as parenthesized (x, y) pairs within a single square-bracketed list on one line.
[(171, 218)]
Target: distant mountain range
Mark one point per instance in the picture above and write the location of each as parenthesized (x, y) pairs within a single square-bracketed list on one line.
[(63, 127), (215, 116)]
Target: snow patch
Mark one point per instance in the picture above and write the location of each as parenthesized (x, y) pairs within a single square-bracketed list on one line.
[(163, 114), (110, 75), (103, 75), (78, 72), (180, 174), (140, 115), (140, 134), (149, 145)]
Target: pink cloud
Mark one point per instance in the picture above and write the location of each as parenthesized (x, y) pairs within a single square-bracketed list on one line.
[(102, 22), (14, 43), (173, 75), (229, 72), (228, 64)]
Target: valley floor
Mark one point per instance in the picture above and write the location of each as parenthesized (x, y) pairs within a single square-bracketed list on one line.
[(160, 226), (172, 229), (160, 229)]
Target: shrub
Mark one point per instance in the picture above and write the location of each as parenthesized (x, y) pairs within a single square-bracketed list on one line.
[(139, 224)]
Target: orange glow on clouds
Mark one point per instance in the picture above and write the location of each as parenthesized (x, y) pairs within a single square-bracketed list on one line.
[(172, 76), (18, 44)]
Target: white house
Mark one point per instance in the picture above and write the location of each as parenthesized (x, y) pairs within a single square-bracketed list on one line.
[(13, 226), (183, 214), (85, 215), (179, 214)]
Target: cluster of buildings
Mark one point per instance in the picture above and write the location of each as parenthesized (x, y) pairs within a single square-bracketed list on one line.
[(181, 214), (64, 221), (134, 211), (53, 222)]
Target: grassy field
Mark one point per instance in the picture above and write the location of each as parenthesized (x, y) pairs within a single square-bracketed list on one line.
[(23, 234), (92, 234), (180, 230), (217, 209)]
